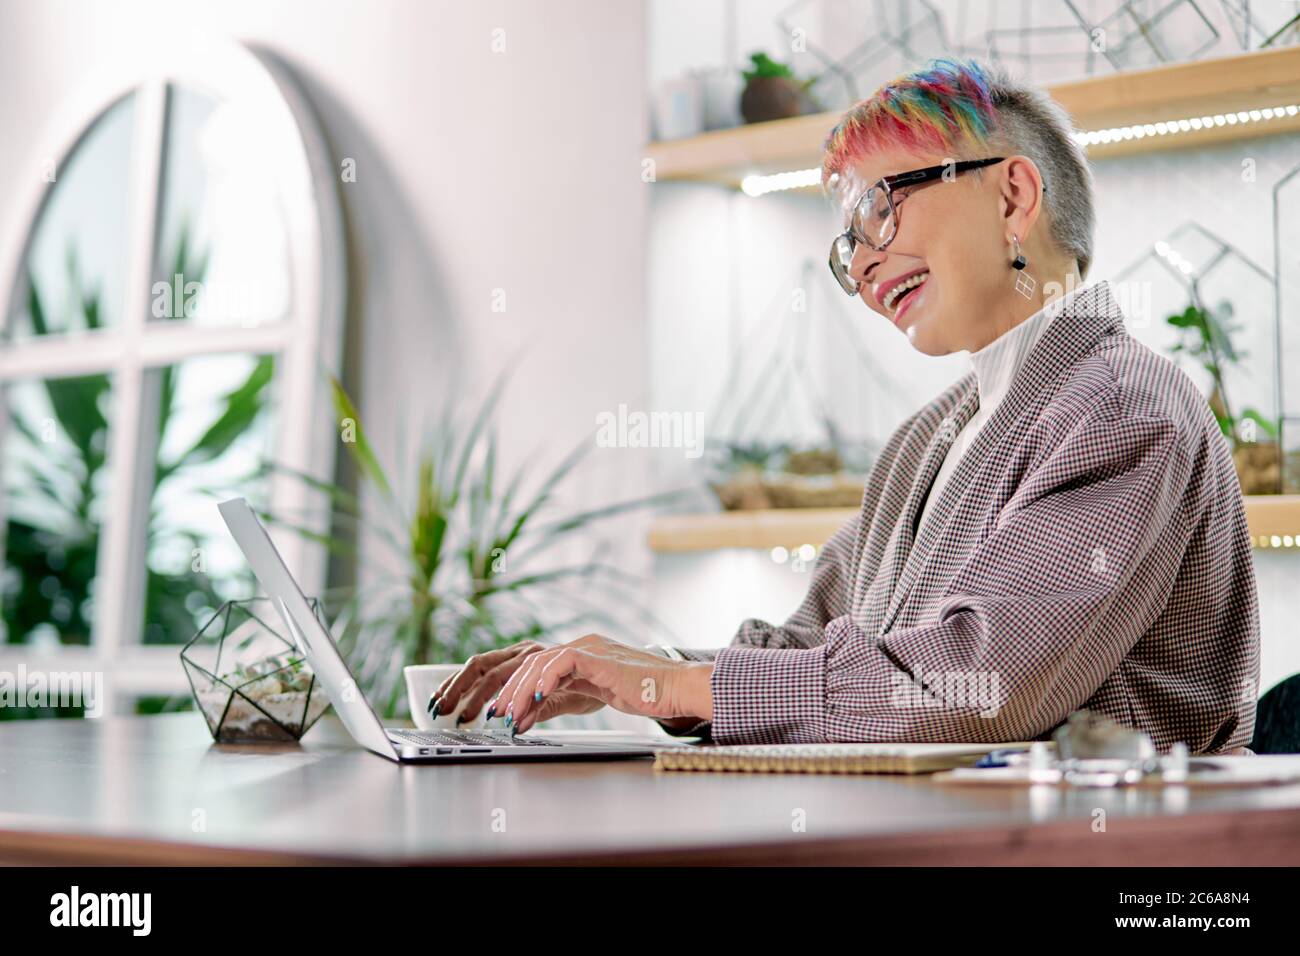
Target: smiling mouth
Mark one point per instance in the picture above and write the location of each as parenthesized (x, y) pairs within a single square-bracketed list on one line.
[(895, 295)]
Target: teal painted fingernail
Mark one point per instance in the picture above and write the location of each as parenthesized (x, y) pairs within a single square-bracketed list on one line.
[(537, 696)]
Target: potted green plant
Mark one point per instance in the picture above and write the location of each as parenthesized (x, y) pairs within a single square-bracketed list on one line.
[(1206, 337), (772, 91), (472, 559), (751, 476), (738, 472)]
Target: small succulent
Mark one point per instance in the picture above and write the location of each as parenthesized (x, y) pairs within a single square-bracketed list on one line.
[(1206, 337), (277, 674), (753, 454), (764, 66)]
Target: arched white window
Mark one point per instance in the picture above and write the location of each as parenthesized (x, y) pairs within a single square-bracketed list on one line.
[(173, 301)]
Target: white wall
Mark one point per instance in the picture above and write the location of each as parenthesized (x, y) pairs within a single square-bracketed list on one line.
[(476, 171)]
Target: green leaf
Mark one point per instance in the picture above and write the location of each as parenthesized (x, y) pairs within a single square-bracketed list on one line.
[(360, 449), (1269, 426), (1225, 424), (429, 526), (34, 308), (76, 404), (241, 408), (765, 66)]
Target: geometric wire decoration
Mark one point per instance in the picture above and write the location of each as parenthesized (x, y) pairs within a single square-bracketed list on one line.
[(1234, 339), (249, 679), (1131, 36), (1042, 39), (909, 33), (1054, 47), (772, 395), (1246, 20), (1244, 24), (902, 34)]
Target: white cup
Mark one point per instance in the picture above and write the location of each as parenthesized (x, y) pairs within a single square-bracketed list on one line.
[(421, 681)]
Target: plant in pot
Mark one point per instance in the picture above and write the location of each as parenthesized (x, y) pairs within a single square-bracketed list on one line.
[(816, 476), (772, 91), (1207, 338), (738, 474), (750, 476), (472, 559)]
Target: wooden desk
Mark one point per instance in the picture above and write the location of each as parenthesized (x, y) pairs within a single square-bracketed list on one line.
[(157, 790)]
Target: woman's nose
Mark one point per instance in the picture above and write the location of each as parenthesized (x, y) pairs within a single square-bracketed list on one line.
[(863, 263)]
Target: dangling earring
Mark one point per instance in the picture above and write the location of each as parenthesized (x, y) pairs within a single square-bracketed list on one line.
[(1025, 283)]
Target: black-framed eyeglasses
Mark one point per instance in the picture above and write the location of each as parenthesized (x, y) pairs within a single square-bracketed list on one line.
[(874, 221)]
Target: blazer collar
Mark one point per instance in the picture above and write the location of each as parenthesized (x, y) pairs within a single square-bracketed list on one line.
[(1083, 320)]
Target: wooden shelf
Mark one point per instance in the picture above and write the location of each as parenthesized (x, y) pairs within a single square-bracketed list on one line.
[(788, 528), (1265, 78), (1272, 518)]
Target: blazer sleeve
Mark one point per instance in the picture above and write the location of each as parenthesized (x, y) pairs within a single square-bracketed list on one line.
[(1078, 566), (827, 599), (829, 591)]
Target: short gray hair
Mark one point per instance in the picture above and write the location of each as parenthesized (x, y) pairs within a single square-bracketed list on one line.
[(1032, 124), (958, 106)]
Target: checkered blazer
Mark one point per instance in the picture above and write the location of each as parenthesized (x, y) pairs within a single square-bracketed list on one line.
[(1090, 550)]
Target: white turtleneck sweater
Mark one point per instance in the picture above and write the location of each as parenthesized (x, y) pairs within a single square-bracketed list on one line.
[(996, 365)]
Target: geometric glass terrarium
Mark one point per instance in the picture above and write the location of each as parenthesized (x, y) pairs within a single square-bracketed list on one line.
[(249, 678), (783, 437), (1200, 301)]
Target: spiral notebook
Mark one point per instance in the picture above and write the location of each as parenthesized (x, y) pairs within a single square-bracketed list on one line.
[(827, 758)]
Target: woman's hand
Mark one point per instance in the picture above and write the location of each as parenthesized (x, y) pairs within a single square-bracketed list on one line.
[(483, 676), (627, 678)]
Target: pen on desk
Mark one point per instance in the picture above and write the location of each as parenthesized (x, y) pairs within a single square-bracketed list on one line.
[(999, 758)]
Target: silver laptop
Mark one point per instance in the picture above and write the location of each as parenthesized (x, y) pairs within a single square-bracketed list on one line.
[(395, 743)]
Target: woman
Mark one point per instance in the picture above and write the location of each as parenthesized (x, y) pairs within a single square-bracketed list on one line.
[(1062, 528)]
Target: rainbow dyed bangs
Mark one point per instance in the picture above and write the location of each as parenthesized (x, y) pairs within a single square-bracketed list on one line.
[(939, 109)]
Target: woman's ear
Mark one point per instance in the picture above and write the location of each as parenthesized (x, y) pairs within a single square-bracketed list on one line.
[(1022, 191)]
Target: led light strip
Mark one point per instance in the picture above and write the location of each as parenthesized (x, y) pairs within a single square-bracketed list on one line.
[(755, 185), (1276, 541), (1175, 259), (759, 185), (1117, 134)]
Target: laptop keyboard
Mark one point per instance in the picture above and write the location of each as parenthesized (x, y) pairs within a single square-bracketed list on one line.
[(462, 738)]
